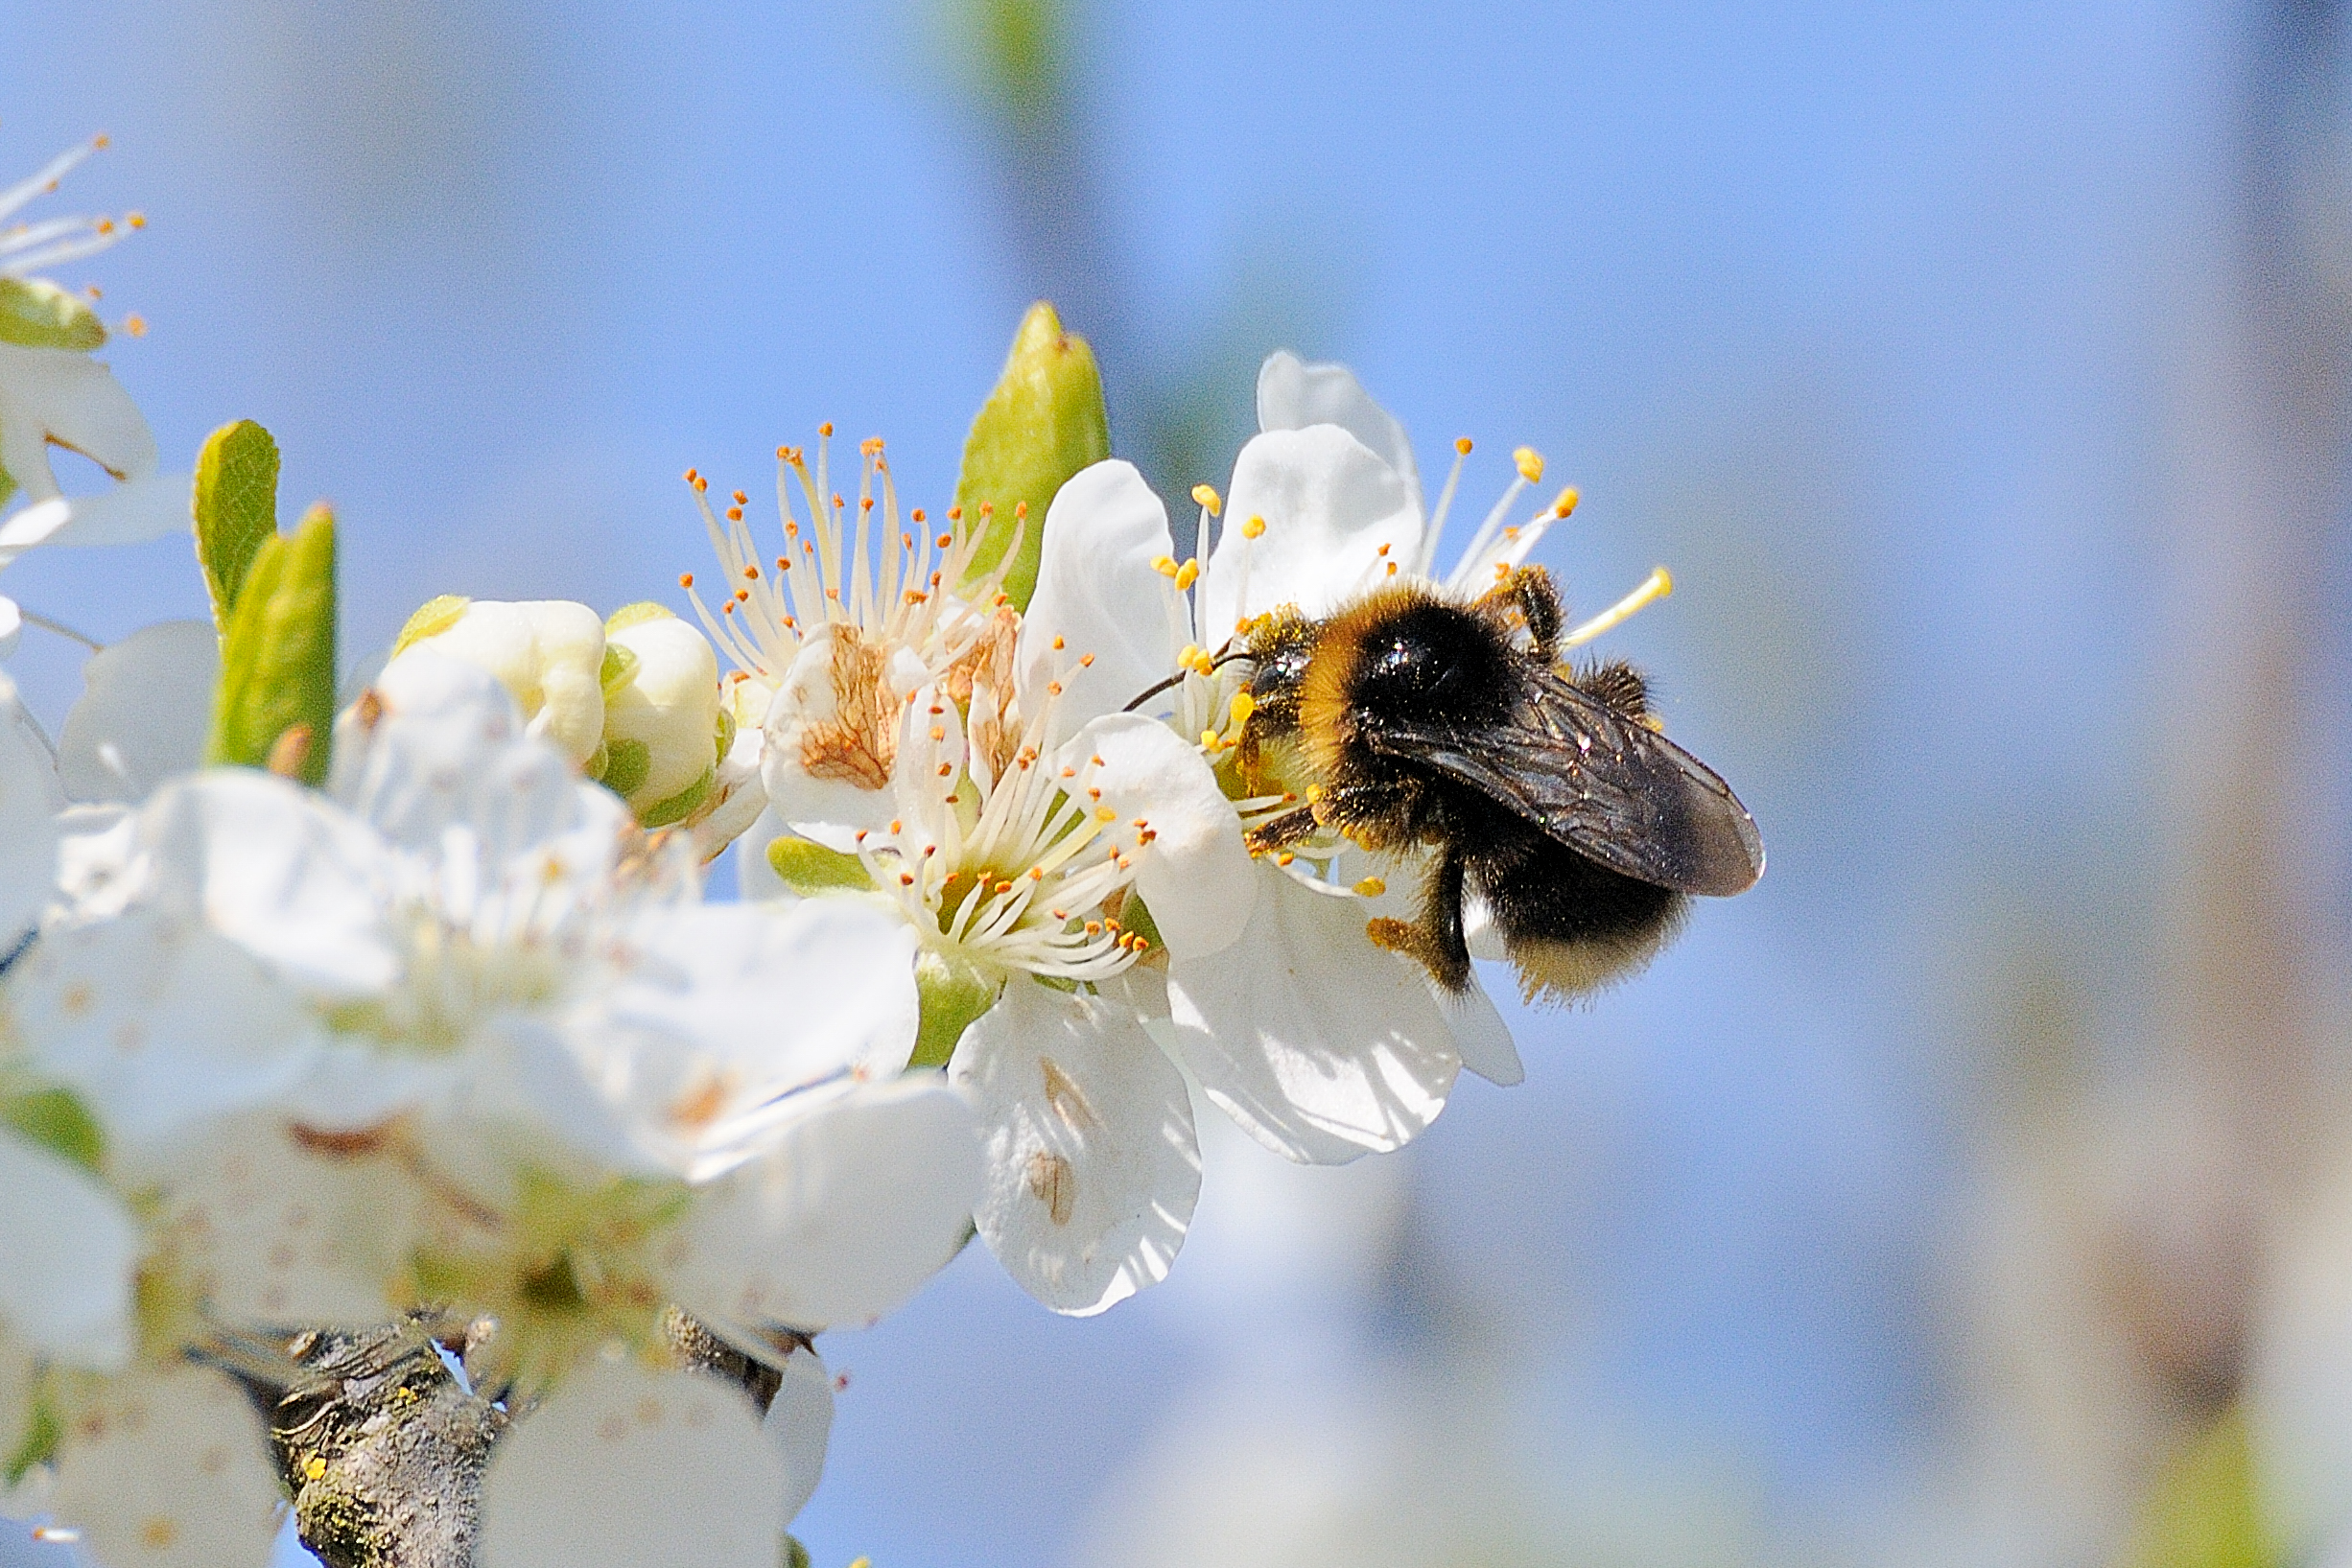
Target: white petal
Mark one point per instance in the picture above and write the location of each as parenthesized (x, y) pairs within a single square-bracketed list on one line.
[(273, 1224), (1480, 1035), (29, 800), (157, 1021), (170, 1471), (755, 876), (826, 755), (548, 653), (844, 1215), (445, 767), (633, 1468), (67, 1249), (727, 1009), (145, 711), (1319, 1043), (799, 1425), (1097, 592), (1195, 874), (11, 626), (1329, 502), (54, 395), (670, 704), (1093, 1163), (1293, 394), (130, 513), (277, 870)]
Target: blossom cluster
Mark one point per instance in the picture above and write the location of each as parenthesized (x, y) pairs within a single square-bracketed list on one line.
[(329, 1007)]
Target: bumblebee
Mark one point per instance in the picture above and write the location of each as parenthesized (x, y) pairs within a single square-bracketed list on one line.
[(1547, 794)]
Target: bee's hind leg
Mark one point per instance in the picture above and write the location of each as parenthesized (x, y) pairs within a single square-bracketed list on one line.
[(1435, 941)]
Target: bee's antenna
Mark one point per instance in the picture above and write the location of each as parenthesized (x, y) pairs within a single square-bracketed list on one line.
[(1152, 691)]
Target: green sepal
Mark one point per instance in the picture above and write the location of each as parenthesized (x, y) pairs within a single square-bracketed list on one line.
[(626, 762), (277, 660), (2205, 1508), (955, 995), (55, 1119), (236, 509), (794, 1555), (723, 732), (1043, 423), (8, 486), (39, 1445), (808, 868), (619, 666), (35, 313), (432, 617), (661, 813), (637, 615)]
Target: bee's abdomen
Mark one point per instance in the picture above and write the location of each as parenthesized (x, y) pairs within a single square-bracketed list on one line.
[(1571, 926)]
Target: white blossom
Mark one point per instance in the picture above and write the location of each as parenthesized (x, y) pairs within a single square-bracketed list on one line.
[(60, 397)]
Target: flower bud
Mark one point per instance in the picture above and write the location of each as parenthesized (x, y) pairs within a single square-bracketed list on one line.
[(1042, 423), (550, 653), (661, 713)]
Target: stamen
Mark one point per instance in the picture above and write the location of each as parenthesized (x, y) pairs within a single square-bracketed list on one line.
[(1655, 586)]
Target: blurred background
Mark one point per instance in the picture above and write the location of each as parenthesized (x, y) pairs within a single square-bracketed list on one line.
[(1970, 1193)]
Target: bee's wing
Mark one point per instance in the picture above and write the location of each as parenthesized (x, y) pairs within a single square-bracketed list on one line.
[(1611, 789)]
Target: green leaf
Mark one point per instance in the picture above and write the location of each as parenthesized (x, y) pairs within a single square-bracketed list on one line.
[(37, 313), (55, 1119), (1043, 423), (276, 702), (2205, 1509), (235, 508), (955, 995), (808, 868)]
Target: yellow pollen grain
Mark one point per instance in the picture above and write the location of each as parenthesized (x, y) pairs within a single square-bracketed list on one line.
[(825, 430), (1206, 496), (1284, 858), (1566, 502), (1462, 445), (1244, 706), (1086, 661), (1252, 528), (1059, 645), (1164, 565), (135, 325), (1370, 887), (1530, 463), (1187, 575), (1209, 740)]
